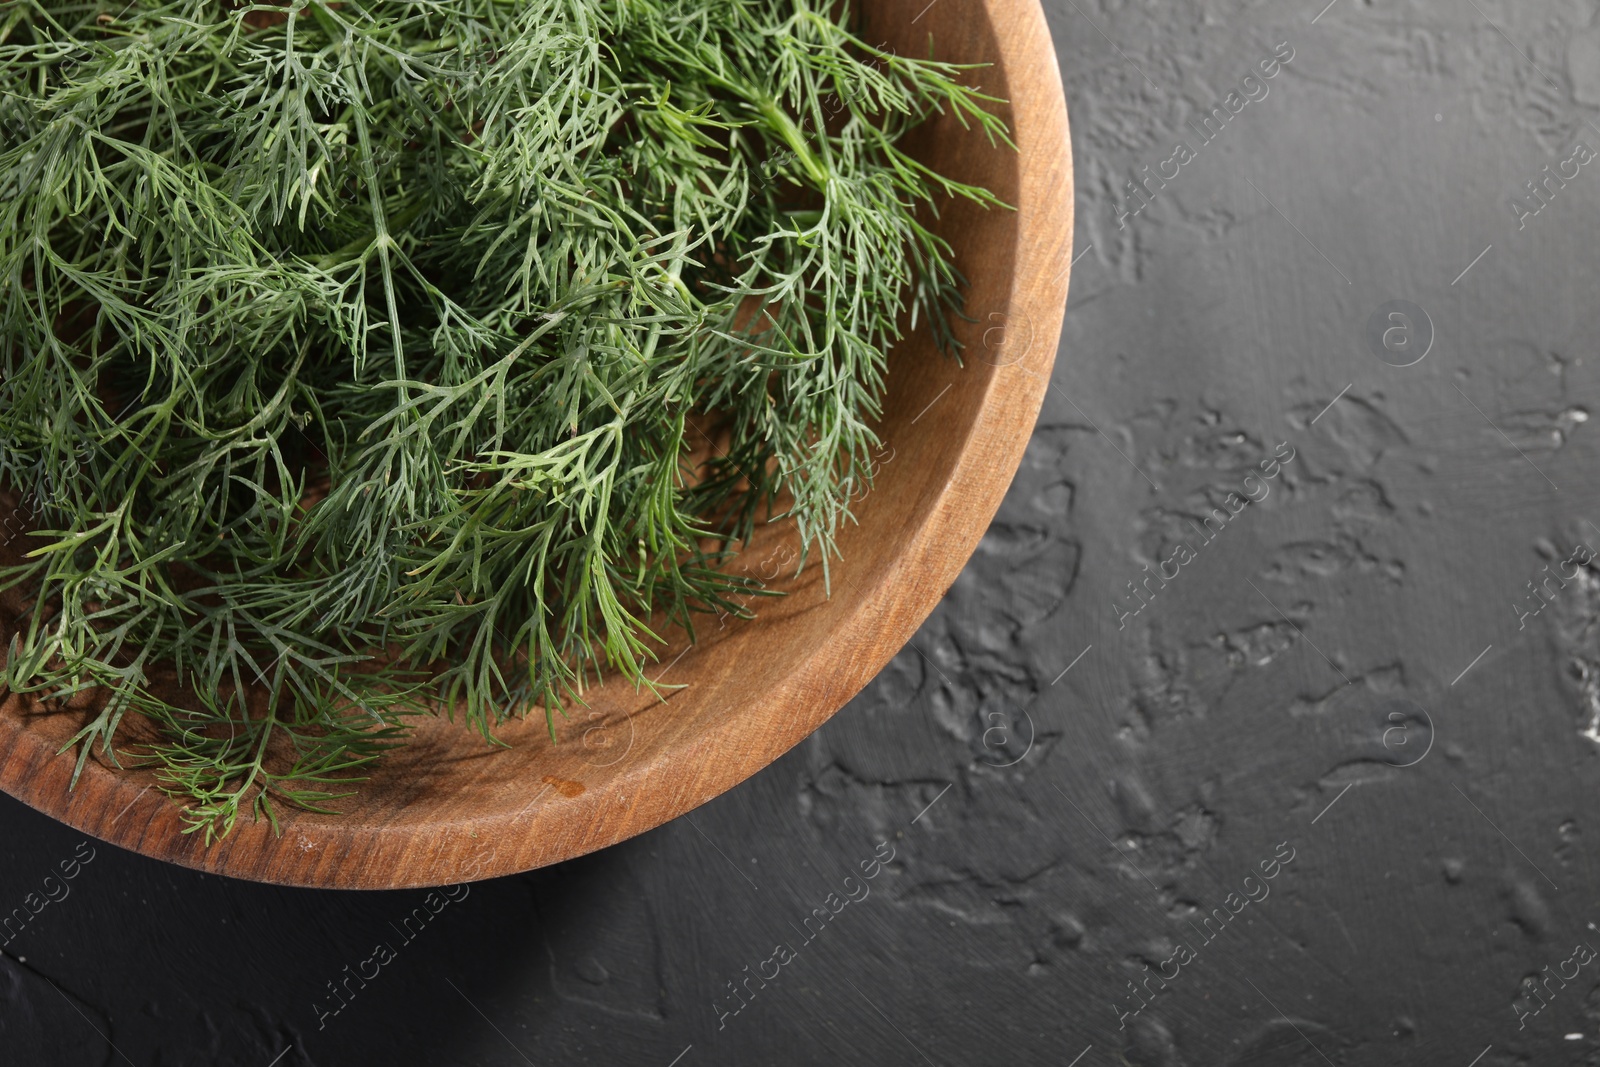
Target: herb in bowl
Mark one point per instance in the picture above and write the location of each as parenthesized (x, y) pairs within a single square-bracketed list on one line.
[(365, 359)]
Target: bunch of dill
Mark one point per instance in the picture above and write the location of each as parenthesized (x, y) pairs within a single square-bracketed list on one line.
[(363, 358)]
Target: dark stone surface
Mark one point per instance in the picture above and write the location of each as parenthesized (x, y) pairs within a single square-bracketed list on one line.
[(1341, 674)]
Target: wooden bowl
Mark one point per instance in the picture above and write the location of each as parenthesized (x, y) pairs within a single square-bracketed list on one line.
[(448, 808)]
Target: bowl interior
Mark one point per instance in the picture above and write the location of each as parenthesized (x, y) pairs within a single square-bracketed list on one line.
[(449, 808)]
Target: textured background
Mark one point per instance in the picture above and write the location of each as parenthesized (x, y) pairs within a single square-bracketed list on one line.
[(1344, 675)]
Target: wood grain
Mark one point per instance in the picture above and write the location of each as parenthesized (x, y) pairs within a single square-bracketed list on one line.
[(448, 808)]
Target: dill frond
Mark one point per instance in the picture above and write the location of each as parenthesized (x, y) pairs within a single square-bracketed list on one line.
[(352, 355)]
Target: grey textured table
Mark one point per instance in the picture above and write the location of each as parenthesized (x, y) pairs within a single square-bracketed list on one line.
[(1313, 788)]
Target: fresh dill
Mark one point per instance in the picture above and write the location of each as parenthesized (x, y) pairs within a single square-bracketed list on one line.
[(369, 358)]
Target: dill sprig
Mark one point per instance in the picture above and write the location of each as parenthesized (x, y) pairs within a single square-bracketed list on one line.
[(363, 359)]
